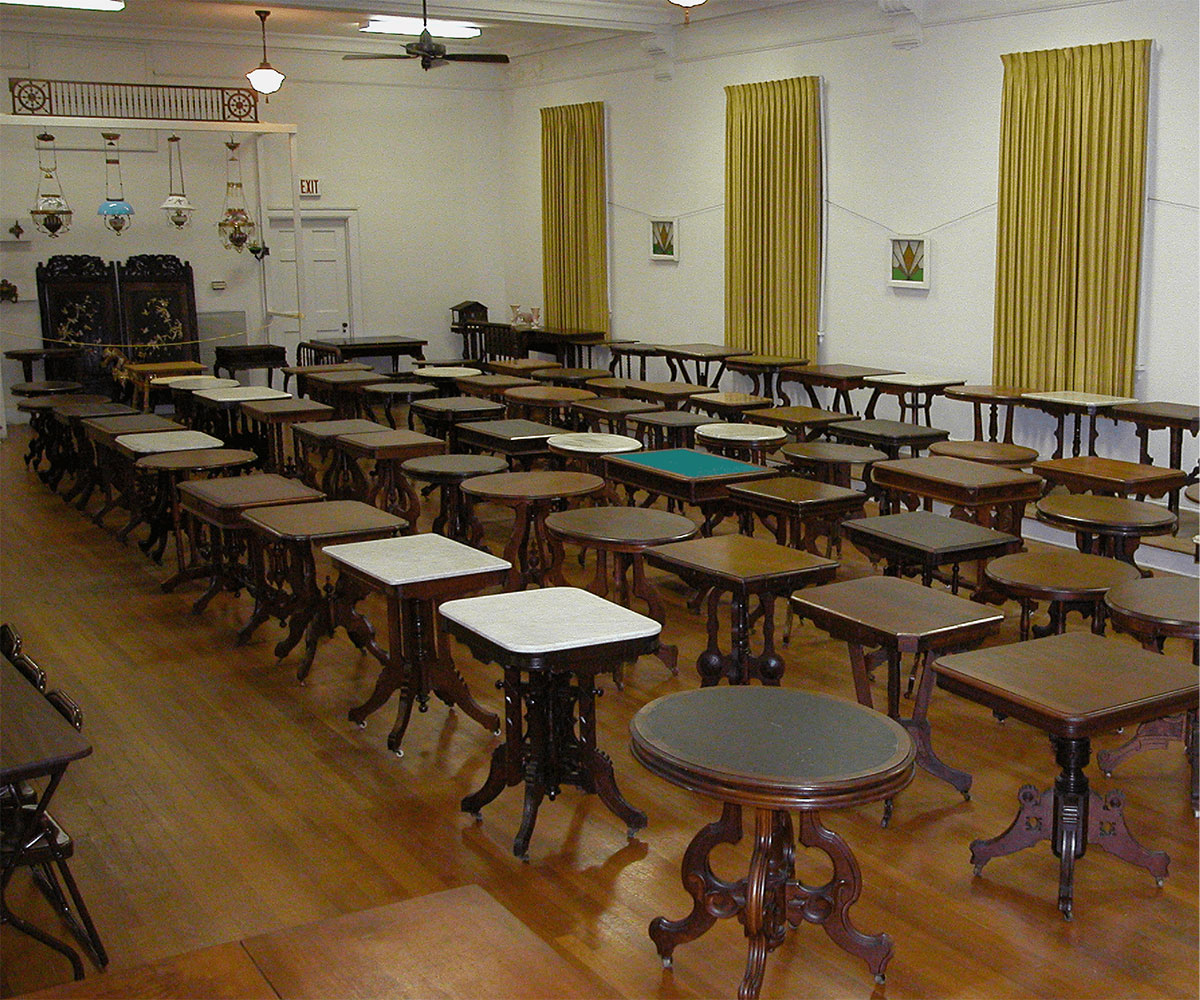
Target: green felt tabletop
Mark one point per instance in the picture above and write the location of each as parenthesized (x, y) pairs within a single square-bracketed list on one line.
[(691, 463)]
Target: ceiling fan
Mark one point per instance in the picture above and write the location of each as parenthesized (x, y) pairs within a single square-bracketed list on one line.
[(430, 53)]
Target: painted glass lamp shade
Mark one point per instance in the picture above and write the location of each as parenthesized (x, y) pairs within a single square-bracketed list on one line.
[(236, 227), (50, 213), (178, 208), (116, 212)]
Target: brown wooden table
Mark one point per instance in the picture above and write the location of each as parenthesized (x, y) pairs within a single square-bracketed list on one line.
[(1175, 419), (775, 751), (1106, 526), (727, 405), (764, 371), (611, 414), (992, 446), (701, 357), (343, 390), (743, 568), (1068, 581), (1064, 405), (441, 417), (215, 507), (234, 358), (68, 450), (446, 473), (319, 462), (348, 348), (572, 378), (806, 423), (140, 374), (894, 617), (105, 467), (518, 367), (915, 393), (415, 574), (663, 429), (532, 496), (549, 403), (391, 394), (388, 488), (268, 420), (840, 378), (672, 395), (889, 436), (798, 511), (828, 462), (1072, 687), (286, 536), (521, 442), (60, 363), (989, 495), (1152, 611), (623, 355), (625, 533), (492, 387), (1110, 477), (551, 643), (301, 372)]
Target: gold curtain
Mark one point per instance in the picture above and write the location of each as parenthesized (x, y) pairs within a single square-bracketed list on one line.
[(1069, 221), (773, 216), (574, 218)]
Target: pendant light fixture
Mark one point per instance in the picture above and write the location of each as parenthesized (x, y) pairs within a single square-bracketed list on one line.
[(178, 208), (115, 210), (266, 79), (687, 6), (236, 226), (51, 213)]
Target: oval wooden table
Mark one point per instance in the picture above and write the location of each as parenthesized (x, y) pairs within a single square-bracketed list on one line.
[(446, 474), (1106, 526), (1153, 610), (831, 463), (548, 403), (532, 496), (774, 750)]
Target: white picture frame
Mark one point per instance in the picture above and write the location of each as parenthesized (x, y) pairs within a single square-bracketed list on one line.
[(664, 239), (908, 261)]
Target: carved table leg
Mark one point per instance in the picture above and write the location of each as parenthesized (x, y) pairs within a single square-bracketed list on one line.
[(596, 766), (507, 759), (918, 728)]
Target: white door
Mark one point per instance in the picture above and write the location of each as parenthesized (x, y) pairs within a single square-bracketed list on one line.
[(328, 279)]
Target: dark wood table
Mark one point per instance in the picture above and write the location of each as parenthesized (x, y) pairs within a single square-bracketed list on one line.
[(828, 462), (1072, 687), (388, 488), (894, 617), (625, 533), (1068, 581), (286, 586), (234, 358), (1110, 477), (925, 541), (1069, 405), (348, 348), (531, 496), (701, 357), (518, 367), (551, 643), (991, 445), (748, 442), (267, 421), (343, 390), (840, 378), (572, 378), (36, 742), (686, 476), (446, 473), (672, 395), (611, 414), (1106, 526), (1175, 419), (491, 386), (444, 377), (441, 417), (520, 441), (744, 568), (551, 403), (214, 507), (889, 436), (798, 511), (301, 372), (68, 449), (570, 347), (111, 470), (59, 362), (218, 412), (775, 751), (915, 393), (415, 574), (623, 355), (663, 429), (806, 423), (1152, 611), (764, 371), (320, 463), (727, 405)]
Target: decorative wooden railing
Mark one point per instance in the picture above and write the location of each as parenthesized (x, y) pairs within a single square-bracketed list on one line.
[(81, 99)]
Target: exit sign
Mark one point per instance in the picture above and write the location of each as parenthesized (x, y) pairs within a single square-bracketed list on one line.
[(310, 187)]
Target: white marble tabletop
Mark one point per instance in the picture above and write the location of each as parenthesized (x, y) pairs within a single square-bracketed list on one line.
[(549, 619), (594, 444), (157, 441), (414, 559), (242, 394), (446, 371), (740, 432), (913, 380), (193, 382), (1085, 400)]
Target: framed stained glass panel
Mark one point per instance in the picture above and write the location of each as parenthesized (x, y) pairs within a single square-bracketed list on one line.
[(908, 265), (663, 234)]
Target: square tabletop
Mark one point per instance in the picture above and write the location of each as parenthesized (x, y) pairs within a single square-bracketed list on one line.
[(155, 441), (930, 535), (701, 352), (105, 430), (956, 475), (1158, 414), (895, 614), (1084, 402), (231, 494), (366, 342), (34, 740), (895, 433), (66, 412), (796, 493), (285, 410), (688, 464), (299, 522), (912, 380), (744, 561), (549, 619), (1089, 472), (1073, 685), (396, 562), (193, 382), (351, 377), (239, 394), (796, 419), (834, 374), (507, 430), (463, 407), (391, 444), (325, 429)]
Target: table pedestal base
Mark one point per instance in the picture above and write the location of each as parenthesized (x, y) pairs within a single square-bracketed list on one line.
[(1071, 816), (770, 900), (548, 744), (1158, 734), (417, 663)]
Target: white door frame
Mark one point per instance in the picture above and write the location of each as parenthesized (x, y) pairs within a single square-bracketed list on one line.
[(353, 258)]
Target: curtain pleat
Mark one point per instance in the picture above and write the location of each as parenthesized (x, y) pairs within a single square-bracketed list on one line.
[(773, 203), (1069, 221), (574, 218)]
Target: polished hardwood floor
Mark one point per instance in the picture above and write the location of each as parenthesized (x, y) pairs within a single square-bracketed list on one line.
[(224, 800)]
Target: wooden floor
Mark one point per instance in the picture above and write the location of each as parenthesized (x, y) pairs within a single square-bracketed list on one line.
[(224, 801)]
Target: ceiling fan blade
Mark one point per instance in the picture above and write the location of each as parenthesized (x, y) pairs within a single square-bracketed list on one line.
[(376, 55), (479, 57)]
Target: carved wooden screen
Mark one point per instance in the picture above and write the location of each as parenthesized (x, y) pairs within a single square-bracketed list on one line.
[(77, 294), (158, 309)]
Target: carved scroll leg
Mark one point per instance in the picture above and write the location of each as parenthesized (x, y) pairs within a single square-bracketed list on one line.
[(451, 686), (667, 652), (408, 691), (1157, 734), (391, 676), (755, 918), (1032, 823), (1106, 830), (918, 727), (830, 904), (711, 897)]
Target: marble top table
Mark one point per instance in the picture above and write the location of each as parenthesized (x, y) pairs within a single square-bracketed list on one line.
[(1064, 404), (193, 382), (240, 393), (915, 393), (1072, 687), (774, 751), (132, 445), (415, 573), (551, 643), (895, 617), (752, 442)]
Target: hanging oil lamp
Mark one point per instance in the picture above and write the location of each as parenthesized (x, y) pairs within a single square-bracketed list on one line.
[(178, 208), (236, 226), (51, 214), (115, 210)]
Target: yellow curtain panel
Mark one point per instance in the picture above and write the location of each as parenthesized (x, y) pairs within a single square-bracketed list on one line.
[(1069, 221), (773, 216), (574, 218)]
